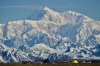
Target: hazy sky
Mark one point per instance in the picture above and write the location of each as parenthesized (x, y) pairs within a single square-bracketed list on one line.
[(20, 9)]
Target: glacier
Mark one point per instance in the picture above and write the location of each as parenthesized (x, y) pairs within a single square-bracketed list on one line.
[(50, 35)]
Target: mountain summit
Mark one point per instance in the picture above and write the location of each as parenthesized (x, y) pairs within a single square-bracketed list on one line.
[(48, 9), (48, 35), (50, 15)]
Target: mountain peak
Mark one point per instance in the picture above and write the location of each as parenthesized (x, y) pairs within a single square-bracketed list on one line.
[(47, 9), (79, 15), (37, 15)]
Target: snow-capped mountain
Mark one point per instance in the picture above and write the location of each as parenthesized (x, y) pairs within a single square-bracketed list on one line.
[(52, 35)]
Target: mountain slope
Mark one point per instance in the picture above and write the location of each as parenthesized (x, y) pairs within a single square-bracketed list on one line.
[(52, 34)]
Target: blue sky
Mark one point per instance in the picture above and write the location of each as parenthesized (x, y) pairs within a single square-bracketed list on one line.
[(20, 9)]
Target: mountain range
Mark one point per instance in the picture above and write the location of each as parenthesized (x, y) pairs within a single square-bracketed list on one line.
[(51, 35)]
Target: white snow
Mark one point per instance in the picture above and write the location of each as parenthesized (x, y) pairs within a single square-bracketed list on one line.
[(54, 33)]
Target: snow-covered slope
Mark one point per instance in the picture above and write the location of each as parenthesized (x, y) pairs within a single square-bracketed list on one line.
[(66, 35)]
